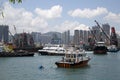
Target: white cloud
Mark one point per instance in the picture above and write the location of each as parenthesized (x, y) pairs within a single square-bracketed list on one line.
[(112, 17), (53, 12), (81, 27), (22, 19), (70, 25), (87, 13)]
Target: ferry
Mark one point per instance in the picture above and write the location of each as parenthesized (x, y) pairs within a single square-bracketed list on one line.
[(73, 59), (52, 49)]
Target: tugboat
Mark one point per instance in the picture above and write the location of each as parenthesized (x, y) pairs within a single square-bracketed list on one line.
[(73, 59), (100, 48)]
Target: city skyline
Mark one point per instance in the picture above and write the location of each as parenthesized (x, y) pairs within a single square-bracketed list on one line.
[(59, 15)]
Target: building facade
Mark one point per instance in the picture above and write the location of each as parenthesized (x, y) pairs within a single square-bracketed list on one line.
[(76, 37), (4, 33), (106, 28), (66, 37)]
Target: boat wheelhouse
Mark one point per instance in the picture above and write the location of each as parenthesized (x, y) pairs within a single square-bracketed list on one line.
[(73, 59)]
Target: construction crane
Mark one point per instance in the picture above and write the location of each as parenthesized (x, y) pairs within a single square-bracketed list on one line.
[(12, 34), (15, 29), (102, 30), (92, 34), (112, 38)]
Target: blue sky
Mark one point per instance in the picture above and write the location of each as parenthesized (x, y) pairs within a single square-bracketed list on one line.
[(60, 15)]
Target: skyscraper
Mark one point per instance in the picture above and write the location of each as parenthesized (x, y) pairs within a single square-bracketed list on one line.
[(81, 35), (76, 37), (66, 37), (106, 28), (96, 32), (4, 33), (85, 39)]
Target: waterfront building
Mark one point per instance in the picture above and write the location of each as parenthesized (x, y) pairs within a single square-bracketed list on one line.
[(81, 35), (76, 37), (36, 36), (41, 38), (55, 39), (66, 37), (97, 33), (45, 39), (85, 37), (4, 33), (23, 40), (106, 28)]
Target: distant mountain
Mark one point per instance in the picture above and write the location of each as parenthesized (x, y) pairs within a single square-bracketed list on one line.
[(53, 33)]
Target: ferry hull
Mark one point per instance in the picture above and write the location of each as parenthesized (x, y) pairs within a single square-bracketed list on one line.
[(100, 50), (113, 50), (51, 54), (71, 65)]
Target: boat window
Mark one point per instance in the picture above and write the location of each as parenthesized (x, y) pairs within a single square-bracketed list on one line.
[(67, 55), (79, 55), (62, 50), (73, 56)]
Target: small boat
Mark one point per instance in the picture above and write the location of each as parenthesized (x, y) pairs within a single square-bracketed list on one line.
[(100, 48), (73, 59), (51, 49), (112, 48)]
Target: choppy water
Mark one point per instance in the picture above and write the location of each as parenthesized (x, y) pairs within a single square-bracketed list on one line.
[(101, 67)]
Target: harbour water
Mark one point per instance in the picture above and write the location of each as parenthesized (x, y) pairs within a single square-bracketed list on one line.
[(100, 67)]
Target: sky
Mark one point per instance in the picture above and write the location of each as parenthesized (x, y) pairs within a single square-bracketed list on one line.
[(59, 15)]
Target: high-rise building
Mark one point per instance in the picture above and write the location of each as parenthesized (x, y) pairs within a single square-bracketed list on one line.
[(97, 33), (23, 40), (4, 33), (41, 38), (55, 39), (106, 28), (85, 37), (36, 36), (66, 37), (76, 37), (81, 35)]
